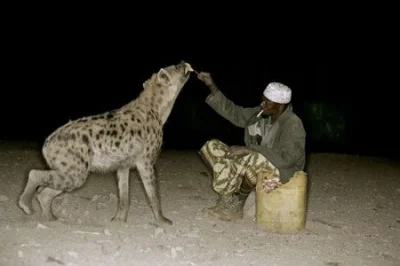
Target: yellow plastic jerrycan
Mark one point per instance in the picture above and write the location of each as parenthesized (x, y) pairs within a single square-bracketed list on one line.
[(284, 209)]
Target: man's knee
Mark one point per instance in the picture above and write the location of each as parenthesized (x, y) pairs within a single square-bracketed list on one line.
[(213, 141), (212, 144)]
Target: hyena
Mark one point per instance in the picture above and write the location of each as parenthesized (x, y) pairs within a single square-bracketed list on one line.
[(116, 141)]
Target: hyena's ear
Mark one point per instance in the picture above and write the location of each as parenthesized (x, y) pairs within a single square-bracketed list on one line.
[(163, 78), (145, 84)]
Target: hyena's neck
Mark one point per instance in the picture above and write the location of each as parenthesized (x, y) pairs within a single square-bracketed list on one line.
[(158, 98)]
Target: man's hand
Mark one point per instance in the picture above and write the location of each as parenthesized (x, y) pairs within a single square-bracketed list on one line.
[(206, 78), (237, 151), (270, 184)]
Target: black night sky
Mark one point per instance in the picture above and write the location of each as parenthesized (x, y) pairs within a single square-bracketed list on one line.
[(57, 73)]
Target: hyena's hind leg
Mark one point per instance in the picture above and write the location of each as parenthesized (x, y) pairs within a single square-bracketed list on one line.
[(36, 178), (45, 198), (52, 183), (146, 172)]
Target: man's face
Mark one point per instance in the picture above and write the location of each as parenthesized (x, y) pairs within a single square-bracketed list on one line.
[(269, 106)]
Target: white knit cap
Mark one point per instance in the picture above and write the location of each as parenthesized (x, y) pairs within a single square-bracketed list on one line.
[(278, 92)]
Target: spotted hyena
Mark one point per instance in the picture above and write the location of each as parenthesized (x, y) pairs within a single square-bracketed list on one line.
[(117, 141)]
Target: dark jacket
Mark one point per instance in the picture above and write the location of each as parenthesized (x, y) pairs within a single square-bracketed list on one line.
[(288, 148)]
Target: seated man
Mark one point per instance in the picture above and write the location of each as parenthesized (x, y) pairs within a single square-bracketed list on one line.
[(275, 142)]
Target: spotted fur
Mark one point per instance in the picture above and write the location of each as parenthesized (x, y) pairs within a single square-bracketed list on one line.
[(116, 141)]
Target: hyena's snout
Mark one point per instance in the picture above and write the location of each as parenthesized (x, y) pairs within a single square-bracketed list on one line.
[(184, 68), (181, 67)]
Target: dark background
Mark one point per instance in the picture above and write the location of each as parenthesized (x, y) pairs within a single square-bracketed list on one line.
[(54, 72)]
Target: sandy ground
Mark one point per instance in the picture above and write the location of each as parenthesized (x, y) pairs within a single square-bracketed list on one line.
[(353, 218)]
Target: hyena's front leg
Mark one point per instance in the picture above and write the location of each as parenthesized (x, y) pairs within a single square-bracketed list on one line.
[(146, 171), (123, 187)]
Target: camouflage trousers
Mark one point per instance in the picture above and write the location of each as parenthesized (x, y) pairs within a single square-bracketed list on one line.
[(228, 172)]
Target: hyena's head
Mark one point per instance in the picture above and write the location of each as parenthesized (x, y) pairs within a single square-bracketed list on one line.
[(173, 77), (165, 85)]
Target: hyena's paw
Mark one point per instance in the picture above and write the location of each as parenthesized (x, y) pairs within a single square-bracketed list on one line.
[(25, 203), (120, 217), (163, 222), (50, 217)]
